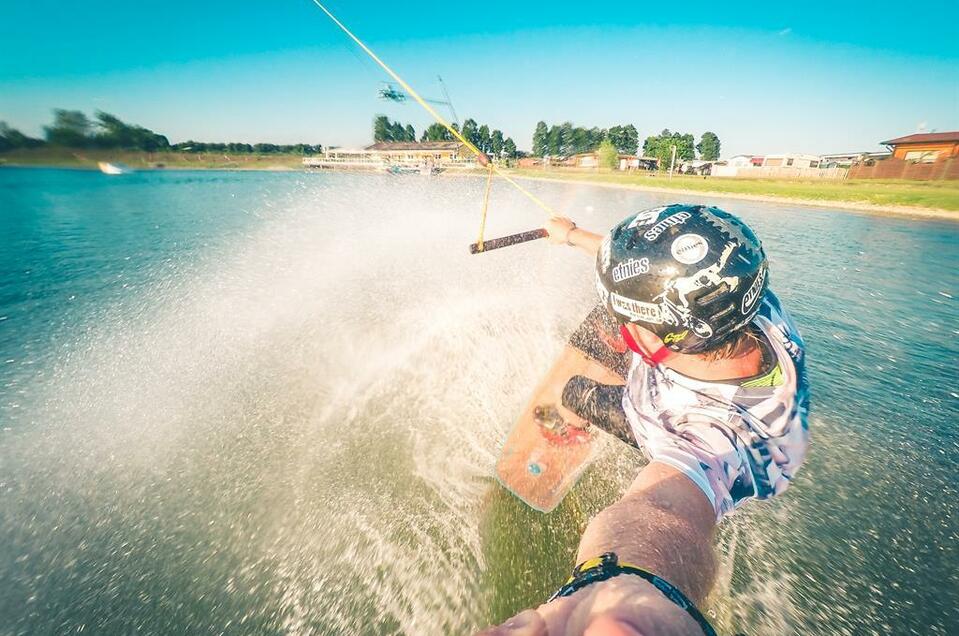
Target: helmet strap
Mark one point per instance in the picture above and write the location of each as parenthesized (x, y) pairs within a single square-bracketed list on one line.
[(651, 359)]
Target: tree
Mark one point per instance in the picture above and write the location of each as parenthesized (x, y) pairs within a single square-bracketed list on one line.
[(540, 139), (483, 138), (708, 147), (509, 147), (381, 129), (113, 133), (596, 137), (566, 138), (496, 143), (608, 155), (581, 140), (410, 133), (11, 138), (630, 140), (661, 147), (70, 128), (685, 147), (397, 131), (554, 142), (436, 132), (470, 128)]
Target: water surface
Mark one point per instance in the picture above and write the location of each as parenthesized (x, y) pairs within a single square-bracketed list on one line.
[(258, 403)]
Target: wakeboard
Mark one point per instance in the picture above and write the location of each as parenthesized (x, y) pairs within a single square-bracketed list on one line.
[(550, 446)]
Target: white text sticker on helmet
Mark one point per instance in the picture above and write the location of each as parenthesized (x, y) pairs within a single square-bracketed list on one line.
[(690, 248), (629, 269), (674, 219), (752, 294), (636, 310), (646, 217)]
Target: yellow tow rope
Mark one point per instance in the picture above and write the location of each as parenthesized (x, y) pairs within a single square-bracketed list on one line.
[(480, 155)]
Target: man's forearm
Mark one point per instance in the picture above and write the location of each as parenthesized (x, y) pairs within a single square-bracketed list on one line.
[(663, 524), (584, 240)]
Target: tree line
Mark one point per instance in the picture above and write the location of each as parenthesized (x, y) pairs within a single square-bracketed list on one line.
[(661, 147), (492, 142), (73, 129), (562, 140)]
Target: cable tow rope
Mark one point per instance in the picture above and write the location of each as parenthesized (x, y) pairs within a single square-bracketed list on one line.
[(489, 184), (481, 156)]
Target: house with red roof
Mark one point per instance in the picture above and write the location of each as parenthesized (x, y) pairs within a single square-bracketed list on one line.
[(925, 147)]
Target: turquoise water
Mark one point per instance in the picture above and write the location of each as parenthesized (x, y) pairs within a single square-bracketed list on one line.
[(271, 403)]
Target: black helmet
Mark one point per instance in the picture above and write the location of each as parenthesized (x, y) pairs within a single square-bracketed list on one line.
[(691, 274)]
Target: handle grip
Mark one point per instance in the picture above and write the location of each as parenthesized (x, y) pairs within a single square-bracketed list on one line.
[(506, 241)]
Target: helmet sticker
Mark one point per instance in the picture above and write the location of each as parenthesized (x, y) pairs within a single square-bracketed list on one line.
[(646, 217), (706, 277), (674, 219), (752, 294), (675, 336), (605, 252), (635, 309), (689, 248), (631, 268)]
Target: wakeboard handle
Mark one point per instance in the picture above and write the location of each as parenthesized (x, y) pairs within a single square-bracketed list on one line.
[(506, 241)]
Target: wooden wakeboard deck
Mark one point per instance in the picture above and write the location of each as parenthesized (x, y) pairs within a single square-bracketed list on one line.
[(540, 462)]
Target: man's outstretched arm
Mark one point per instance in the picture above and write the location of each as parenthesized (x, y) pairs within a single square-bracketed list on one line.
[(663, 524), (563, 231)]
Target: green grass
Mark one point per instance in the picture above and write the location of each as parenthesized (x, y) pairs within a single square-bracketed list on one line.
[(893, 192), (882, 192), (76, 158)]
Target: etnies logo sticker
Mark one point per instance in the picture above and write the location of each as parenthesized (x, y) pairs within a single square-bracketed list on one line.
[(689, 249), (752, 294), (631, 268)]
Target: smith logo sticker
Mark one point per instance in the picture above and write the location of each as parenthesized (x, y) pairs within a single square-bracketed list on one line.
[(674, 219), (628, 269), (636, 310), (752, 294)]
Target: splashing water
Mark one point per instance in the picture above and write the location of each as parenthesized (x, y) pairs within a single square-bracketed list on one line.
[(273, 404)]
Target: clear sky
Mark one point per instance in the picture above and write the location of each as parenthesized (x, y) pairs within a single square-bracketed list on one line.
[(766, 77)]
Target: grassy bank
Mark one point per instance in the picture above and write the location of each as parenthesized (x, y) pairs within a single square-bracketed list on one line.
[(892, 194), (78, 158), (938, 199)]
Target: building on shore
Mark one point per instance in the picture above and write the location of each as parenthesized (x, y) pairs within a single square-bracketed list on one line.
[(922, 156), (790, 161), (744, 161), (777, 166), (393, 156), (848, 159), (924, 147)]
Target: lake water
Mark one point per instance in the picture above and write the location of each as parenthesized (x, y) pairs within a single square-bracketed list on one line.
[(270, 403)]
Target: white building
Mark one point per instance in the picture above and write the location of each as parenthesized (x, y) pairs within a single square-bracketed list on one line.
[(791, 161)]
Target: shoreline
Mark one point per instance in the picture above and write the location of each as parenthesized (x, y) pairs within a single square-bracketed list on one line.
[(876, 209), (889, 210)]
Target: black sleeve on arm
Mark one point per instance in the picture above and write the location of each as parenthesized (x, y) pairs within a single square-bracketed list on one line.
[(599, 404), (592, 337)]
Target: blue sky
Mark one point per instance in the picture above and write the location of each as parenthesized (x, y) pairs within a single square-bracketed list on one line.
[(766, 77)]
